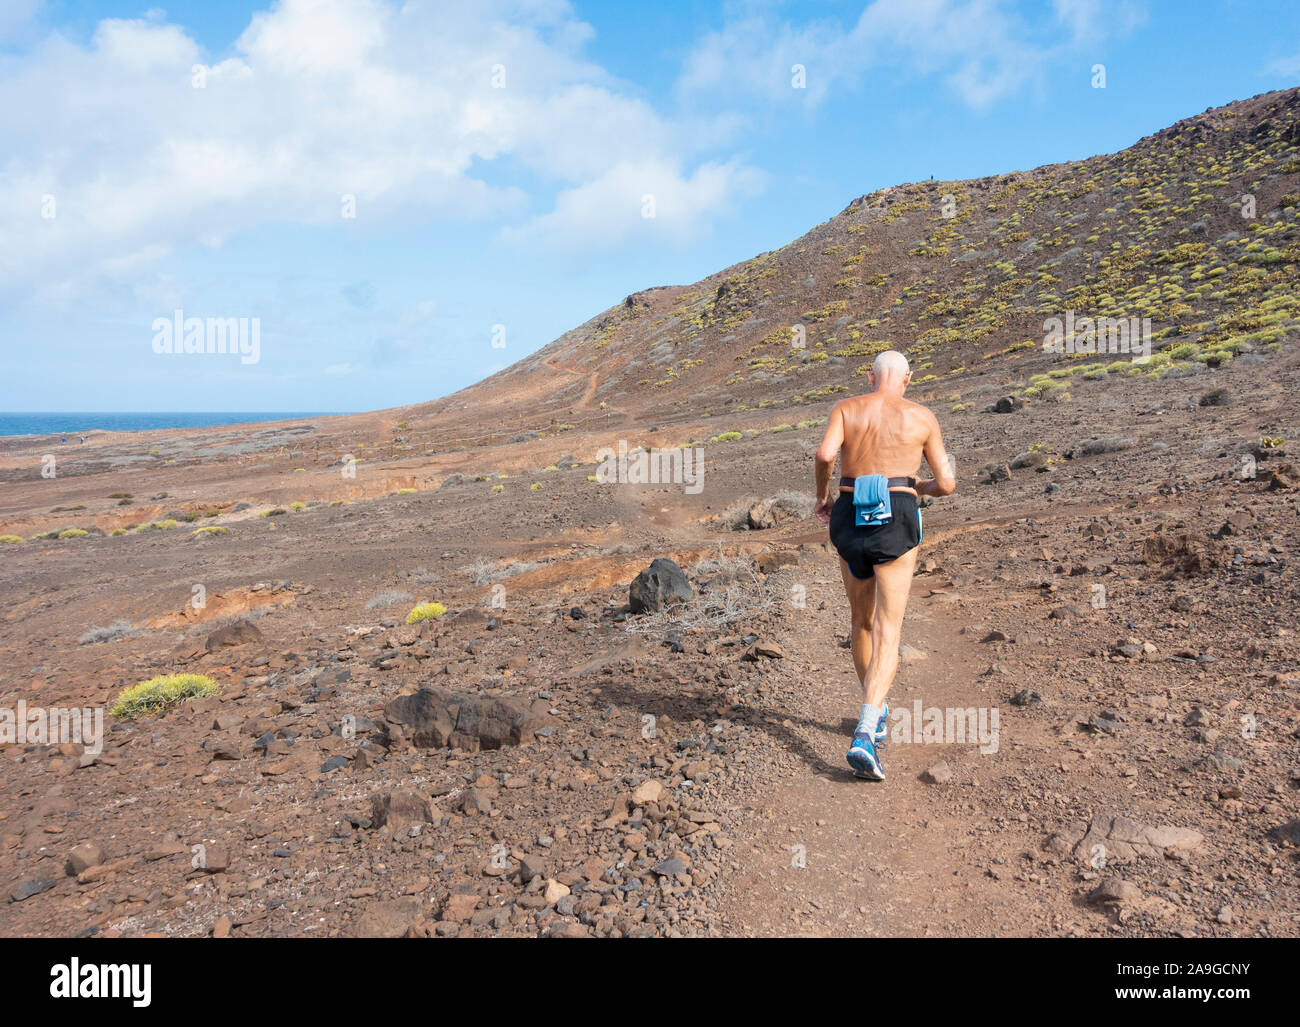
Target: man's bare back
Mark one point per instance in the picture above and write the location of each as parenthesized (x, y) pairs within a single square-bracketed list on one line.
[(879, 433), (884, 434)]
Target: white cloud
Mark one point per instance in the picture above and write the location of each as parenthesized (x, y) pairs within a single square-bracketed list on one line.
[(1287, 67), (389, 103), (16, 17), (983, 49), (1093, 21), (649, 197)]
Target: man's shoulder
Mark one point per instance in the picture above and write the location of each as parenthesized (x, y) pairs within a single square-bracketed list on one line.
[(911, 406)]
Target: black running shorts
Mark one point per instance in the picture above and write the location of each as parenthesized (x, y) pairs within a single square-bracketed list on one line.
[(864, 547)]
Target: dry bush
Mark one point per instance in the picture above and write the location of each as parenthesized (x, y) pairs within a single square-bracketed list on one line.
[(715, 606), (119, 629), (389, 597)]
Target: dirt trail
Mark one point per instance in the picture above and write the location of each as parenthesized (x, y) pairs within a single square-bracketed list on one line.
[(878, 859), (593, 382)]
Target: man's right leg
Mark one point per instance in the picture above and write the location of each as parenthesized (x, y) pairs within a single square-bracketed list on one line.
[(893, 586), (862, 611)]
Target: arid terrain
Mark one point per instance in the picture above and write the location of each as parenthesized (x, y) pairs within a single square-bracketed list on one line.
[(1116, 579)]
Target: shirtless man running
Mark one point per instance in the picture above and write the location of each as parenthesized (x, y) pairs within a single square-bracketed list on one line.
[(879, 433)]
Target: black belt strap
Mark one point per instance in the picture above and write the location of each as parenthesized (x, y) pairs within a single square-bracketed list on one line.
[(909, 483)]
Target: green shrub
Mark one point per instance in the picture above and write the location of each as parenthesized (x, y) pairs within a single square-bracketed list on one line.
[(158, 693), (727, 436), (211, 529), (74, 533), (297, 506), (425, 611), (9, 540)]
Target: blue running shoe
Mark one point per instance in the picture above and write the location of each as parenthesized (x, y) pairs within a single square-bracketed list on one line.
[(864, 759), (882, 728)]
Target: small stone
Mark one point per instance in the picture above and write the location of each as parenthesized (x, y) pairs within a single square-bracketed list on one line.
[(764, 650), (1114, 890), (530, 867), (83, 857), (647, 791), (554, 892), (938, 774), (27, 889)]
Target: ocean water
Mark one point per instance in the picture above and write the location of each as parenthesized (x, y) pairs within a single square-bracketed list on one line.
[(72, 423)]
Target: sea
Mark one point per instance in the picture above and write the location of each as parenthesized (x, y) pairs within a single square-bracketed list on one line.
[(72, 423)]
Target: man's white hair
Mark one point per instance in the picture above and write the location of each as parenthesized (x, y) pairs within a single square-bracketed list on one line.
[(889, 362)]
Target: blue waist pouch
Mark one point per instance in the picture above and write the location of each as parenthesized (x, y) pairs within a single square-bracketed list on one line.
[(871, 502)]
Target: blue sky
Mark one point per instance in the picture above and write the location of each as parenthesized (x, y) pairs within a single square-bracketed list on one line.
[(499, 154)]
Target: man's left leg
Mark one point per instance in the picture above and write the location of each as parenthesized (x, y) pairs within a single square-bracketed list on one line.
[(893, 582), (862, 610)]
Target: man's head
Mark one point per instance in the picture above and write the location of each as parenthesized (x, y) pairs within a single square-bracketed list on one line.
[(889, 372)]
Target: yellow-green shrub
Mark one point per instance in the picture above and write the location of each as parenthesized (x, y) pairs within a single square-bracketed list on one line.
[(425, 611), (155, 695)]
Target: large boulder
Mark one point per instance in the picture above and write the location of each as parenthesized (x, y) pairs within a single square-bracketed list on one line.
[(658, 586), (434, 718)]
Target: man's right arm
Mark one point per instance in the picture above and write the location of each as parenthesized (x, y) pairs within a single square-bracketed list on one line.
[(944, 483)]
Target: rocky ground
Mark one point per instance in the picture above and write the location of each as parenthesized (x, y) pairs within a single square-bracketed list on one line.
[(625, 773), (1115, 580)]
